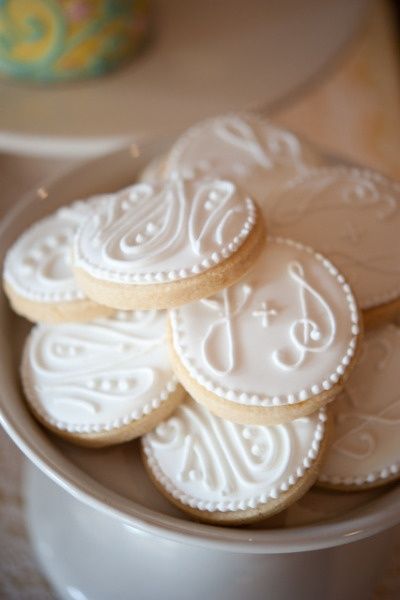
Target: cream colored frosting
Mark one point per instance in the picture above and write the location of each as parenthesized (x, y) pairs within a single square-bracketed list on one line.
[(100, 375), (164, 231), (366, 443), (212, 464), (353, 217), (283, 334)]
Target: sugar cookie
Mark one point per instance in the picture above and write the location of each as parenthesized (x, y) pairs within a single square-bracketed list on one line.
[(102, 382), (353, 217), (244, 147), (162, 245), (274, 347), (365, 449), (37, 276), (224, 473)]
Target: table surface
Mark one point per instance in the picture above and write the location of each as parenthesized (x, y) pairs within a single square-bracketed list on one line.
[(353, 109)]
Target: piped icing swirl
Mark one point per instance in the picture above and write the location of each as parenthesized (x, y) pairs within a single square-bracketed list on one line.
[(243, 147), (285, 333), (366, 444), (37, 266), (353, 217), (155, 233), (212, 464), (98, 376)]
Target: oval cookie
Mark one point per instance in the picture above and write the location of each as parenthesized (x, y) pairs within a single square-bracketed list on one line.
[(37, 275), (224, 473), (353, 217), (102, 382), (162, 245), (274, 347), (246, 148), (365, 448)]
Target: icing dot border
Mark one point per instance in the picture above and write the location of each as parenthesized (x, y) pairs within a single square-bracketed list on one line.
[(67, 291), (376, 299), (256, 399), (246, 503), (160, 277), (382, 474), (89, 428)]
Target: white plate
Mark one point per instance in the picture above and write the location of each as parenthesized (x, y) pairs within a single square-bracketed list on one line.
[(113, 480), (204, 58)]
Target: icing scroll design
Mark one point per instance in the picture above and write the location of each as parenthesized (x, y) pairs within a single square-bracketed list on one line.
[(278, 144), (363, 433), (359, 442), (335, 190), (90, 366), (141, 224), (306, 333), (214, 206), (222, 456), (223, 326)]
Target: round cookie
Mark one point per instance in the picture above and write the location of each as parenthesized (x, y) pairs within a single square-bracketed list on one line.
[(353, 217), (223, 473), (103, 382), (37, 277), (276, 346), (243, 147), (365, 448), (166, 244)]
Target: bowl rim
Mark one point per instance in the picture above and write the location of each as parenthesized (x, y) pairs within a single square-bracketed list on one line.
[(375, 516)]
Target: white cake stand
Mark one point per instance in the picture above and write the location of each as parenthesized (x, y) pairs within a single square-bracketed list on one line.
[(205, 57)]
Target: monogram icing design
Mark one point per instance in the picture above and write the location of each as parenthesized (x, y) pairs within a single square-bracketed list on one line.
[(366, 445), (99, 375), (161, 232), (350, 215), (243, 147), (213, 464), (282, 350), (37, 266), (306, 333), (227, 312)]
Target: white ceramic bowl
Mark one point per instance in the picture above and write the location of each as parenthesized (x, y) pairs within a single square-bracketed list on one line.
[(100, 529)]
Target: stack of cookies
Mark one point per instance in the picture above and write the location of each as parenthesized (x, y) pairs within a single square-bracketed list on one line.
[(216, 308)]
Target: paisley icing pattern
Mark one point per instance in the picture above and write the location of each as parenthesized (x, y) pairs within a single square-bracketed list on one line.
[(366, 445), (162, 232), (37, 266), (288, 353), (100, 375), (212, 464), (242, 147), (353, 217)]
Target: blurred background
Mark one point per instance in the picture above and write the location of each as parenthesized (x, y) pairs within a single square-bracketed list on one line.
[(79, 78)]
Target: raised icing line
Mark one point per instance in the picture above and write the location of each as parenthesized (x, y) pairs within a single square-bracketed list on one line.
[(212, 464), (100, 375), (365, 447), (169, 231), (240, 349)]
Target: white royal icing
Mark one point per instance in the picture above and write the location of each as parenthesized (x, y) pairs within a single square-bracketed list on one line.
[(163, 232), (100, 375), (242, 147), (353, 217), (37, 266), (212, 464), (366, 443), (283, 334)]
